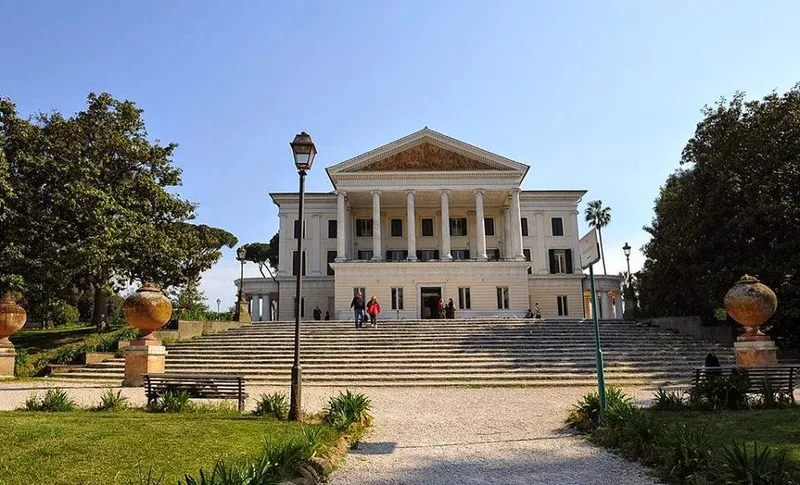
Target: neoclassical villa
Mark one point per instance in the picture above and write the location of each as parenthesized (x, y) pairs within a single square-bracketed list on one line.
[(428, 217)]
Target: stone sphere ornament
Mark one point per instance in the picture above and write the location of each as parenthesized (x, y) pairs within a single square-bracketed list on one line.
[(147, 309), (751, 303), (12, 318)]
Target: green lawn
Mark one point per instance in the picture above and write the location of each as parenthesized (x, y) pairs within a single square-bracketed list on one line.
[(777, 428), (34, 341), (84, 447)]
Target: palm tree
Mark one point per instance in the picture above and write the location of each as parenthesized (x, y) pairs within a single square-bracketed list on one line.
[(598, 217)]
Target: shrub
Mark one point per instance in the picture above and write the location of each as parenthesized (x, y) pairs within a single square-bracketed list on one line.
[(172, 402), (54, 400), (686, 452), (770, 398), (640, 434), (275, 405), (721, 392), (348, 409), (65, 314), (585, 416), (111, 401), (745, 465), (23, 364), (665, 400)]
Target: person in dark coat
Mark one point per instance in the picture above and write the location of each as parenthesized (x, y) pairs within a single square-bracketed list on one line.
[(317, 313), (358, 307), (327, 315), (450, 310)]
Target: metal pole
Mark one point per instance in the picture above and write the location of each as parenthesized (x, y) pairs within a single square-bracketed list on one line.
[(295, 407), (628, 259), (598, 352), (237, 313)]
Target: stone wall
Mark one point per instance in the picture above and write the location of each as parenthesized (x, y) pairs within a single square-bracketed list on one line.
[(693, 327)]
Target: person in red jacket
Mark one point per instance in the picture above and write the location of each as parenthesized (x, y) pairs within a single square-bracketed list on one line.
[(373, 310)]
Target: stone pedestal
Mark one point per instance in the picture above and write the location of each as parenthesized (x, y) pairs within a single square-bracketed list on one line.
[(145, 356), (244, 312), (755, 352), (7, 357)]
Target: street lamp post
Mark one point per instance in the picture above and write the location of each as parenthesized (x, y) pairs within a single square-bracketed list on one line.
[(627, 250), (241, 253), (304, 151), (220, 301), (630, 303)]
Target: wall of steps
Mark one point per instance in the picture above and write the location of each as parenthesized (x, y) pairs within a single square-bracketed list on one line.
[(438, 353)]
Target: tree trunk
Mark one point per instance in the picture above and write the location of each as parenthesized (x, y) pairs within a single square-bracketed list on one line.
[(100, 307), (602, 251)]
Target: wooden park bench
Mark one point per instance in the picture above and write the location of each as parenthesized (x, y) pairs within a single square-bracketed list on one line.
[(203, 386), (781, 377)]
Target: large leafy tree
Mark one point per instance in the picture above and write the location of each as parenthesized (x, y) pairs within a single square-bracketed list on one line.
[(598, 217), (265, 255), (92, 204), (732, 208)]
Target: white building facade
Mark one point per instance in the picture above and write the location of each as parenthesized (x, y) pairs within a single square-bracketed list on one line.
[(423, 218)]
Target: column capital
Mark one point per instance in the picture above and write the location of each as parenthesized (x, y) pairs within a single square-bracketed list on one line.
[(341, 192), (515, 190), (375, 192), (479, 191), (316, 215), (505, 209), (444, 191), (410, 192)]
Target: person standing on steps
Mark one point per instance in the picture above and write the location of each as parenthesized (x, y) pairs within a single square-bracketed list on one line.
[(358, 307), (373, 310), (440, 309), (317, 313), (327, 315), (537, 312), (450, 310)]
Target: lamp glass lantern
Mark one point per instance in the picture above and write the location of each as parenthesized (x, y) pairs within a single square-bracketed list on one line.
[(241, 253), (627, 249), (303, 150)]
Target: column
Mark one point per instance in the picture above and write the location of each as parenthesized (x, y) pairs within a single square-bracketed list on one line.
[(376, 224), (411, 223), (606, 306), (445, 256), (618, 306), (479, 216), (316, 249), (340, 226), (576, 250), (266, 313), (541, 253), (516, 225), (507, 253), (255, 308)]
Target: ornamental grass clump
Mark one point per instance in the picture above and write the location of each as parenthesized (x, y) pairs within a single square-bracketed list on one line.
[(585, 416), (686, 454), (112, 401), (751, 464), (172, 402), (274, 405), (665, 400), (348, 410), (54, 400)]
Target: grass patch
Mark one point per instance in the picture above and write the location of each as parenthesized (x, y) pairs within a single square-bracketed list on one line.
[(34, 341), (776, 428), (93, 448)]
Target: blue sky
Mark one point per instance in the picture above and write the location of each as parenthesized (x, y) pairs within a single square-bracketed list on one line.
[(592, 95)]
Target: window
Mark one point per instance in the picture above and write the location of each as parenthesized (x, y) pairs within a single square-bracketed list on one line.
[(364, 254), (332, 228), (296, 262), (557, 224), (363, 227), (502, 297), (397, 227), (397, 298), (524, 223), (560, 261), (331, 258), (561, 302), (460, 253), (493, 254), (463, 299), (297, 229), (396, 255), (527, 253), (427, 227), (427, 254), (302, 307), (458, 227), (488, 225)]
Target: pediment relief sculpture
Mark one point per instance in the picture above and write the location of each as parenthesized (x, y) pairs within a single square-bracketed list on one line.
[(426, 157)]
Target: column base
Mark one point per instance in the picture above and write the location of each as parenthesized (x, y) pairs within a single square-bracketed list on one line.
[(752, 353), (7, 358), (144, 356), (340, 260)]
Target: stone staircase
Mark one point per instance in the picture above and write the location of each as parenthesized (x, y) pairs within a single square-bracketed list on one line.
[(438, 353)]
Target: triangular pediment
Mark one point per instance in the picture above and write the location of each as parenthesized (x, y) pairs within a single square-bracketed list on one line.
[(427, 151), (426, 157)]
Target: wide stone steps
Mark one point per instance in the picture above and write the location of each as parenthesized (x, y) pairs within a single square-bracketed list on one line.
[(443, 353)]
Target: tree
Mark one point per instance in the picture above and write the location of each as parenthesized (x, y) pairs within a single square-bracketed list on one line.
[(598, 217), (732, 208), (90, 205), (264, 255)]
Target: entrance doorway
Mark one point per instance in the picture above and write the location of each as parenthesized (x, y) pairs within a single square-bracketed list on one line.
[(430, 296)]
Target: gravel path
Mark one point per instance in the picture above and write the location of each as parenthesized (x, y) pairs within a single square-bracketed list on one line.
[(442, 436)]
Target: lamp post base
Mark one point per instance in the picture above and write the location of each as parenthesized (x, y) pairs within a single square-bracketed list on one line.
[(295, 406)]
